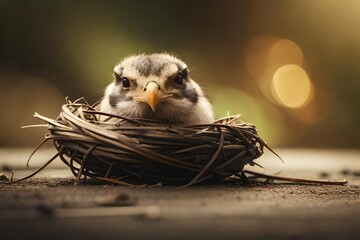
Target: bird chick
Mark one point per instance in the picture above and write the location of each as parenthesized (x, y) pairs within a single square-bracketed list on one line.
[(158, 87)]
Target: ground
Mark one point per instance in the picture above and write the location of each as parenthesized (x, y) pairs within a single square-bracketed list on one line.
[(52, 206)]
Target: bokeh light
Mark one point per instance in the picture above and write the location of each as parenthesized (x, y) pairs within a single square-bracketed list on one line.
[(291, 86), (257, 55), (285, 52), (265, 55)]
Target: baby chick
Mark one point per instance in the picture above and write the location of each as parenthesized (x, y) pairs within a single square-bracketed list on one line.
[(158, 87)]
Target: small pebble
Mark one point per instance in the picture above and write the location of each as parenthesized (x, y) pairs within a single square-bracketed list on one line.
[(3, 178), (119, 199), (6, 168), (345, 172), (324, 174), (44, 211)]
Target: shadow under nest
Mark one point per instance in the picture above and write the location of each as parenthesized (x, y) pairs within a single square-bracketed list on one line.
[(127, 151)]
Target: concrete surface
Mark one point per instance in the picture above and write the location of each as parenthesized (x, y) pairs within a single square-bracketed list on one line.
[(51, 206)]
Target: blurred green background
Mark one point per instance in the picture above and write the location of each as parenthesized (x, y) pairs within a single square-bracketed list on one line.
[(292, 68)]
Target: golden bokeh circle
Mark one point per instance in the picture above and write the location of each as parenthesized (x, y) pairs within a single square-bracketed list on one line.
[(291, 86)]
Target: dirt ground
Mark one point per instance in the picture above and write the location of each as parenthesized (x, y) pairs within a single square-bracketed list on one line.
[(52, 206)]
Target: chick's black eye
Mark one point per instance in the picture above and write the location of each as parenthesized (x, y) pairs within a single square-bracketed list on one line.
[(125, 83), (179, 79)]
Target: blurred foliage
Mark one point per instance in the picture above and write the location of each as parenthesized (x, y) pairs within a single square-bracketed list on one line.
[(53, 49)]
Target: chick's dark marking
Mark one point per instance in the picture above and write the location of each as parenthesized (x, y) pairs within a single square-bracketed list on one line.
[(178, 95), (160, 69), (185, 73), (144, 66), (191, 95), (117, 77), (113, 100)]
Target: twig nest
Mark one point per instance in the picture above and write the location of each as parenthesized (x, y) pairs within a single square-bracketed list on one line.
[(139, 151)]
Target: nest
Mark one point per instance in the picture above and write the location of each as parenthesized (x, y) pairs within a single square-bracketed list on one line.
[(132, 152), (127, 151)]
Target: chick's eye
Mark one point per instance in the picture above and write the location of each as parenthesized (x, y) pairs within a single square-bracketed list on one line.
[(125, 83), (179, 79)]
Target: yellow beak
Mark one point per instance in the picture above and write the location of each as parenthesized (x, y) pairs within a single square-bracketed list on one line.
[(150, 95)]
